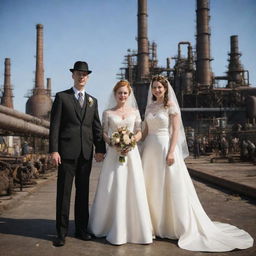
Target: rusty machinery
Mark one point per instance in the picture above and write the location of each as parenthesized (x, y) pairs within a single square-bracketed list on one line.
[(21, 170), (201, 99), (18, 172)]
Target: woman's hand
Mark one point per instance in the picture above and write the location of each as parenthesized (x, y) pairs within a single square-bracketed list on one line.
[(170, 158), (125, 151), (138, 136)]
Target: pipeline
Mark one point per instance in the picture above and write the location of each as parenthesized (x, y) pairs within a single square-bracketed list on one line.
[(23, 116), (18, 126)]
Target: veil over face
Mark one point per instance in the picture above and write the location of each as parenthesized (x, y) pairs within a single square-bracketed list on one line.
[(182, 142)]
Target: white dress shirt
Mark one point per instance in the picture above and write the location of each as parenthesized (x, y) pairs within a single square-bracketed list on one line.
[(77, 91)]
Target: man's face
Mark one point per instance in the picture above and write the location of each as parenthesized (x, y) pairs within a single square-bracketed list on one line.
[(80, 78)]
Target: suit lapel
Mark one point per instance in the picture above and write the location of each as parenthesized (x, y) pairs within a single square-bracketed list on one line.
[(86, 108), (75, 104)]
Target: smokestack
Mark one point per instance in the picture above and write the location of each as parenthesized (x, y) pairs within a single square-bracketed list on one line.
[(203, 67), (143, 54), (40, 103), (39, 78), (154, 54), (49, 86), (168, 66), (190, 57), (235, 68), (7, 94)]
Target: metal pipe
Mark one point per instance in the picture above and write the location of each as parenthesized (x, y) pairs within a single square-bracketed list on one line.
[(154, 54), (19, 126), (221, 78), (248, 77), (49, 86), (25, 117), (231, 109), (168, 66), (129, 64), (179, 48)]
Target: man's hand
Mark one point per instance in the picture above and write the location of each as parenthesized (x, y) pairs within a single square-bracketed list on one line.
[(99, 157), (56, 158)]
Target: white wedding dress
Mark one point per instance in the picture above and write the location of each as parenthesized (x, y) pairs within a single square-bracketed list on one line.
[(120, 209), (176, 212)]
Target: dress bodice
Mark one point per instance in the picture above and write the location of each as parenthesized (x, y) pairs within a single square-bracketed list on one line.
[(158, 118), (111, 121)]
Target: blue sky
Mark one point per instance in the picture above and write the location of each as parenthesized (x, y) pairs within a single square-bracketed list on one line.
[(101, 31)]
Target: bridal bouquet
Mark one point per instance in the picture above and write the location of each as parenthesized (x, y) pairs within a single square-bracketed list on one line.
[(124, 141)]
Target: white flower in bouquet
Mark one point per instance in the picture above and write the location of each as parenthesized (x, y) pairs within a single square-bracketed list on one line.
[(126, 139), (123, 140), (116, 140)]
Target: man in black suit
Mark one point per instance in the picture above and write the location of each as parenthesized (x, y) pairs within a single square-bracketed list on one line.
[(75, 127)]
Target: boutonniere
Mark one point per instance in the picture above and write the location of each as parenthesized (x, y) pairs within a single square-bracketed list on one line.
[(90, 101)]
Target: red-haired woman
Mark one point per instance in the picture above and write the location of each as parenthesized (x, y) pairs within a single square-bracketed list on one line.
[(120, 209)]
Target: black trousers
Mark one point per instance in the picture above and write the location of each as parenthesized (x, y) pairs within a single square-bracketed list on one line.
[(80, 169)]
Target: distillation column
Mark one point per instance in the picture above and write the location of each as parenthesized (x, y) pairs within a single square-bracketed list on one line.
[(143, 52), (7, 93), (203, 67)]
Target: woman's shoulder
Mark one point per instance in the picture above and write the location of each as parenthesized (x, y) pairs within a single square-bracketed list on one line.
[(170, 103), (109, 110), (134, 110), (106, 113), (172, 108)]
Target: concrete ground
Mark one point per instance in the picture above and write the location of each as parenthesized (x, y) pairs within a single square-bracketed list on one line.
[(238, 177), (29, 228)]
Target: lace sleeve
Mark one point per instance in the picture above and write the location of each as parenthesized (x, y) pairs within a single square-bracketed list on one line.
[(105, 122), (137, 126), (146, 112), (173, 110)]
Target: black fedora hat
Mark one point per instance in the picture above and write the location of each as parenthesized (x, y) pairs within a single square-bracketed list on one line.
[(81, 66)]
